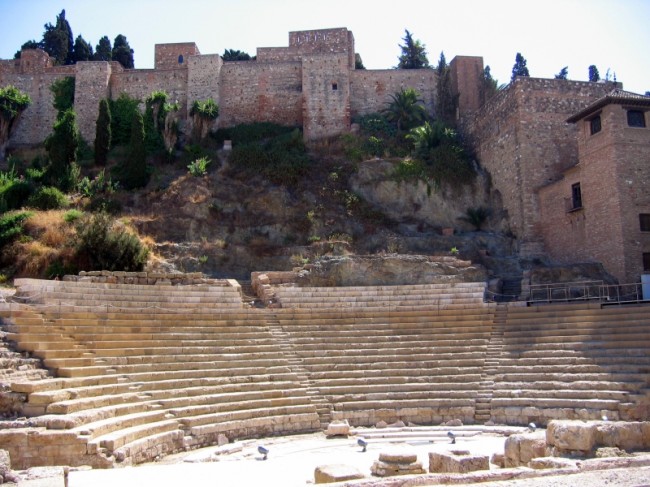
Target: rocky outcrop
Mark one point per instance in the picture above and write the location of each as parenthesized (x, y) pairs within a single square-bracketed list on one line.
[(392, 269)]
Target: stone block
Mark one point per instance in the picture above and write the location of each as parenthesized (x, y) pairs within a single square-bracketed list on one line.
[(338, 428), (627, 436), (325, 474), (457, 461), (576, 436), (551, 462), (397, 462), (520, 449)]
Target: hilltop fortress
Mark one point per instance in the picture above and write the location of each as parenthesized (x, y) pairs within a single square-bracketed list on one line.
[(571, 193)]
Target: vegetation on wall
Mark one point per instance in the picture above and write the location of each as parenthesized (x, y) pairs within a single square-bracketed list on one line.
[(405, 109), (133, 173), (236, 55), (447, 102), (103, 133), (62, 145), (203, 113), (12, 103), (161, 124), (122, 110), (63, 91)]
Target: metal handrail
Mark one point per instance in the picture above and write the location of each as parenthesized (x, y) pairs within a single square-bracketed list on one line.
[(585, 290)]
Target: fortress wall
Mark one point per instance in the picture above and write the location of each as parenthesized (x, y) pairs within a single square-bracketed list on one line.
[(326, 88), (370, 90), (174, 55), (140, 83), (203, 78), (91, 86), (525, 141), (324, 41), (36, 122), (278, 54), (256, 92), (9, 66)]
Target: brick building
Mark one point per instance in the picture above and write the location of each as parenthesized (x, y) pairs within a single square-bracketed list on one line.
[(599, 210)]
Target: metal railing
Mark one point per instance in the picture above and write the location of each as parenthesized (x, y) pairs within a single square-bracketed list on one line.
[(585, 291)]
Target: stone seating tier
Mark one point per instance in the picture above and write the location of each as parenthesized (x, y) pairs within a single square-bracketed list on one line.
[(135, 383)]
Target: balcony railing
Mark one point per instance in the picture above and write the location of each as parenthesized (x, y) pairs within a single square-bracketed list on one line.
[(586, 290)]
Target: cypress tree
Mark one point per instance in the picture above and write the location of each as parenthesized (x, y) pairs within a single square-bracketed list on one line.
[(134, 174), (62, 145), (103, 133)]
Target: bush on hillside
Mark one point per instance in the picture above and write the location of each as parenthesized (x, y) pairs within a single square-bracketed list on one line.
[(48, 198), (103, 245), (11, 226)]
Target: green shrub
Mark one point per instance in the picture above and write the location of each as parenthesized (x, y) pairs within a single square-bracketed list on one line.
[(105, 204), (14, 194), (122, 112), (73, 215), (48, 198), (281, 160), (105, 246), (247, 133), (199, 167), (476, 216), (103, 135), (11, 226), (63, 90), (62, 146), (133, 173)]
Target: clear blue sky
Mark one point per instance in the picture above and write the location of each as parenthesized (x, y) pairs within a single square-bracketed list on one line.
[(551, 34)]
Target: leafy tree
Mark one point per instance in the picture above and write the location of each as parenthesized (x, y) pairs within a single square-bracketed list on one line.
[(122, 112), (235, 55), (103, 50), (57, 40), (62, 145), (414, 54), (203, 113), (563, 74), (161, 125), (12, 103), (103, 133), (83, 51), (133, 174), (447, 102), (28, 45), (594, 75), (405, 109), (358, 62), (490, 85), (63, 91), (122, 52), (519, 69)]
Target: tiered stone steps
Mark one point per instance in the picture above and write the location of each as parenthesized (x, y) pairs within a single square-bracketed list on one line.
[(388, 353), (403, 298), (70, 295), (573, 361), (134, 385)]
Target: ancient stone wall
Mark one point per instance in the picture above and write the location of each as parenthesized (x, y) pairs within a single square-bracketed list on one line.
[(252, 91), (522, 138), (370, 90), (140, 83), (91, 86), (466, 77), (324, 41), (174, 55), (36, 122), (326, 95)]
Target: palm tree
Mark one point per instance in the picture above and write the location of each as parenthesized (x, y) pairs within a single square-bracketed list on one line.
[(405, 109)]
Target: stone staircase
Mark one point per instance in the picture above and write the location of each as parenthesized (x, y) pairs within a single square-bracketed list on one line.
[(483, 410)]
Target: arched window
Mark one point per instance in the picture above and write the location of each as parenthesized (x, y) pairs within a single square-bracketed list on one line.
[(180, 59)]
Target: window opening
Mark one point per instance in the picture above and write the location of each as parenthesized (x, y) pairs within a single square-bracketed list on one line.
[(576, 196), (595, 125), (644, 222), (636, 118)]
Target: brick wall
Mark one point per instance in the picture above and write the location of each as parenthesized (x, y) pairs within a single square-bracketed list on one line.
[(466, 81), (614, 177), (370, 90)]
